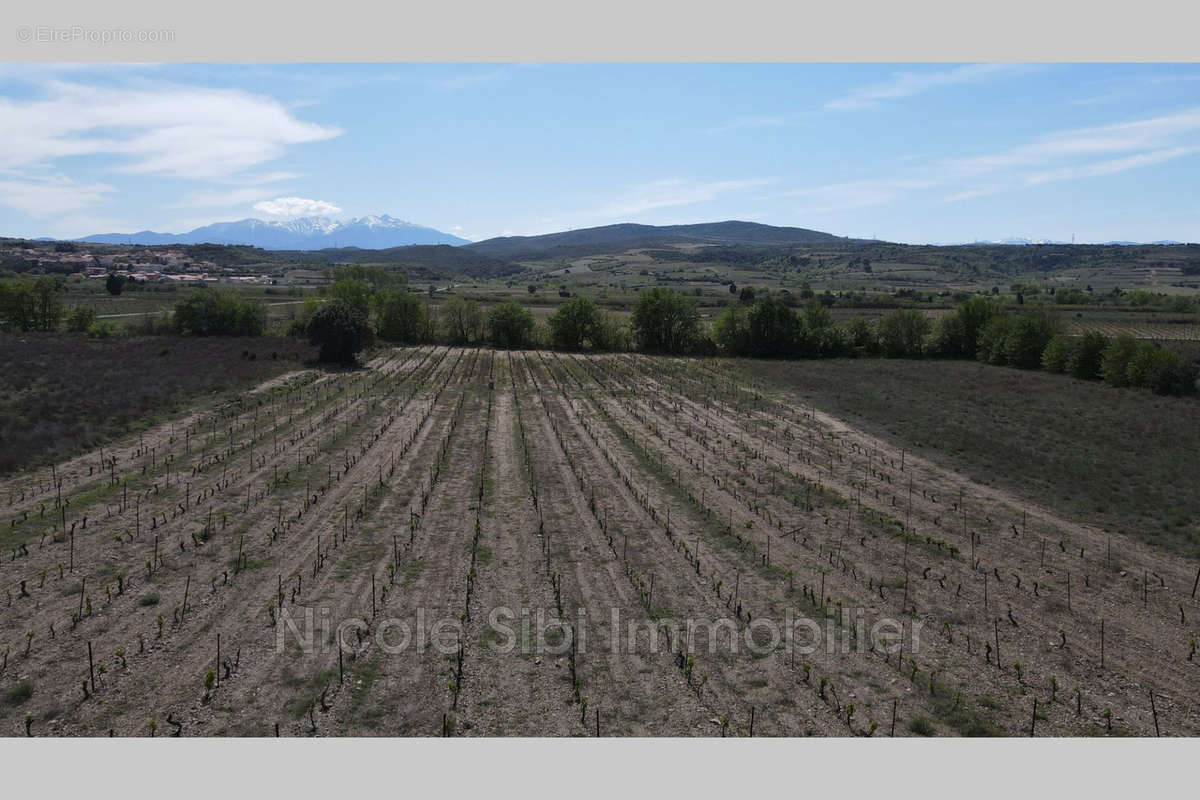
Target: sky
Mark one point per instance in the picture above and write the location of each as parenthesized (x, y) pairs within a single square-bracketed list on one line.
[(919, 153)]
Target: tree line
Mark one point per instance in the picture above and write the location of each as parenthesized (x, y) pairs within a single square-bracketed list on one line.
[(366, 305)]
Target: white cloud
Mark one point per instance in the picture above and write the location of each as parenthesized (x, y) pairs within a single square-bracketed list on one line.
[(674, 192), (1109, 167), (50, 195), (908, 84), (761, 121), (161, 129), (296, 207)]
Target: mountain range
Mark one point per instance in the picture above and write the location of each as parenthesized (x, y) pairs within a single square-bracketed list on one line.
[(383, 232), (624, 236), (306, 233)]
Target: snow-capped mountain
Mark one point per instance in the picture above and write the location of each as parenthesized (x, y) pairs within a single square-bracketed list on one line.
[(306, 233)]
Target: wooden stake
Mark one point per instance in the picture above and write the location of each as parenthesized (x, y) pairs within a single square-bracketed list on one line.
[(91, 669), (1154, 711)]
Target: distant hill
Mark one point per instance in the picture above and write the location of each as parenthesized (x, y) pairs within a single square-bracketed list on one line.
[(611, 238), (306, 233)]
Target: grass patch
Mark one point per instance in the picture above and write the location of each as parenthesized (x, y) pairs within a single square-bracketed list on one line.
[(18, 693), (921, 726), (1118, 458)]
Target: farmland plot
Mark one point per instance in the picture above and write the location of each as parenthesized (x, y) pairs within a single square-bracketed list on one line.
[(469, 542)]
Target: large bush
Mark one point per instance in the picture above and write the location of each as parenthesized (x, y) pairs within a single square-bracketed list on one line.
[(341, 332), (216, 312), (80, 319)]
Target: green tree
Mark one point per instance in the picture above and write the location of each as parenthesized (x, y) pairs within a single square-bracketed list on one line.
[(1114, 363), (665, 322), (902, 333), (1056, 354), (1084, 359), (861, 336), (399, 316), (612, 334), (957, 334), (774, 329), (510, 325), (731, 330), (575, 322), (351, 293), (1027, 339), (1160, 370), (114, 283), (462, 319), (340, 331)]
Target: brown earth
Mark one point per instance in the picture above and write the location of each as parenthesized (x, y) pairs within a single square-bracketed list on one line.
[(440, 485)]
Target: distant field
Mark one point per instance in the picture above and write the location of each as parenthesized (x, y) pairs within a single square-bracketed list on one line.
[(1158, 331), (1120, 458)]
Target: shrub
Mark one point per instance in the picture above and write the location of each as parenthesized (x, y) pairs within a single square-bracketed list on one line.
[(19, 692), (214, 312), (101, 329), (80, 319), (340, 332), (921, 726)]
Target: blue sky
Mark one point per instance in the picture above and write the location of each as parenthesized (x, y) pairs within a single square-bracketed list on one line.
[(910, 152)]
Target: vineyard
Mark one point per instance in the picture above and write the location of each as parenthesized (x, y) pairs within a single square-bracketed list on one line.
[(160, 587), (1155, 331)]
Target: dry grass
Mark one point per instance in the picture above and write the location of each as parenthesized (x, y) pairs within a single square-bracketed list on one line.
[(61, 394), (1121, 458)]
